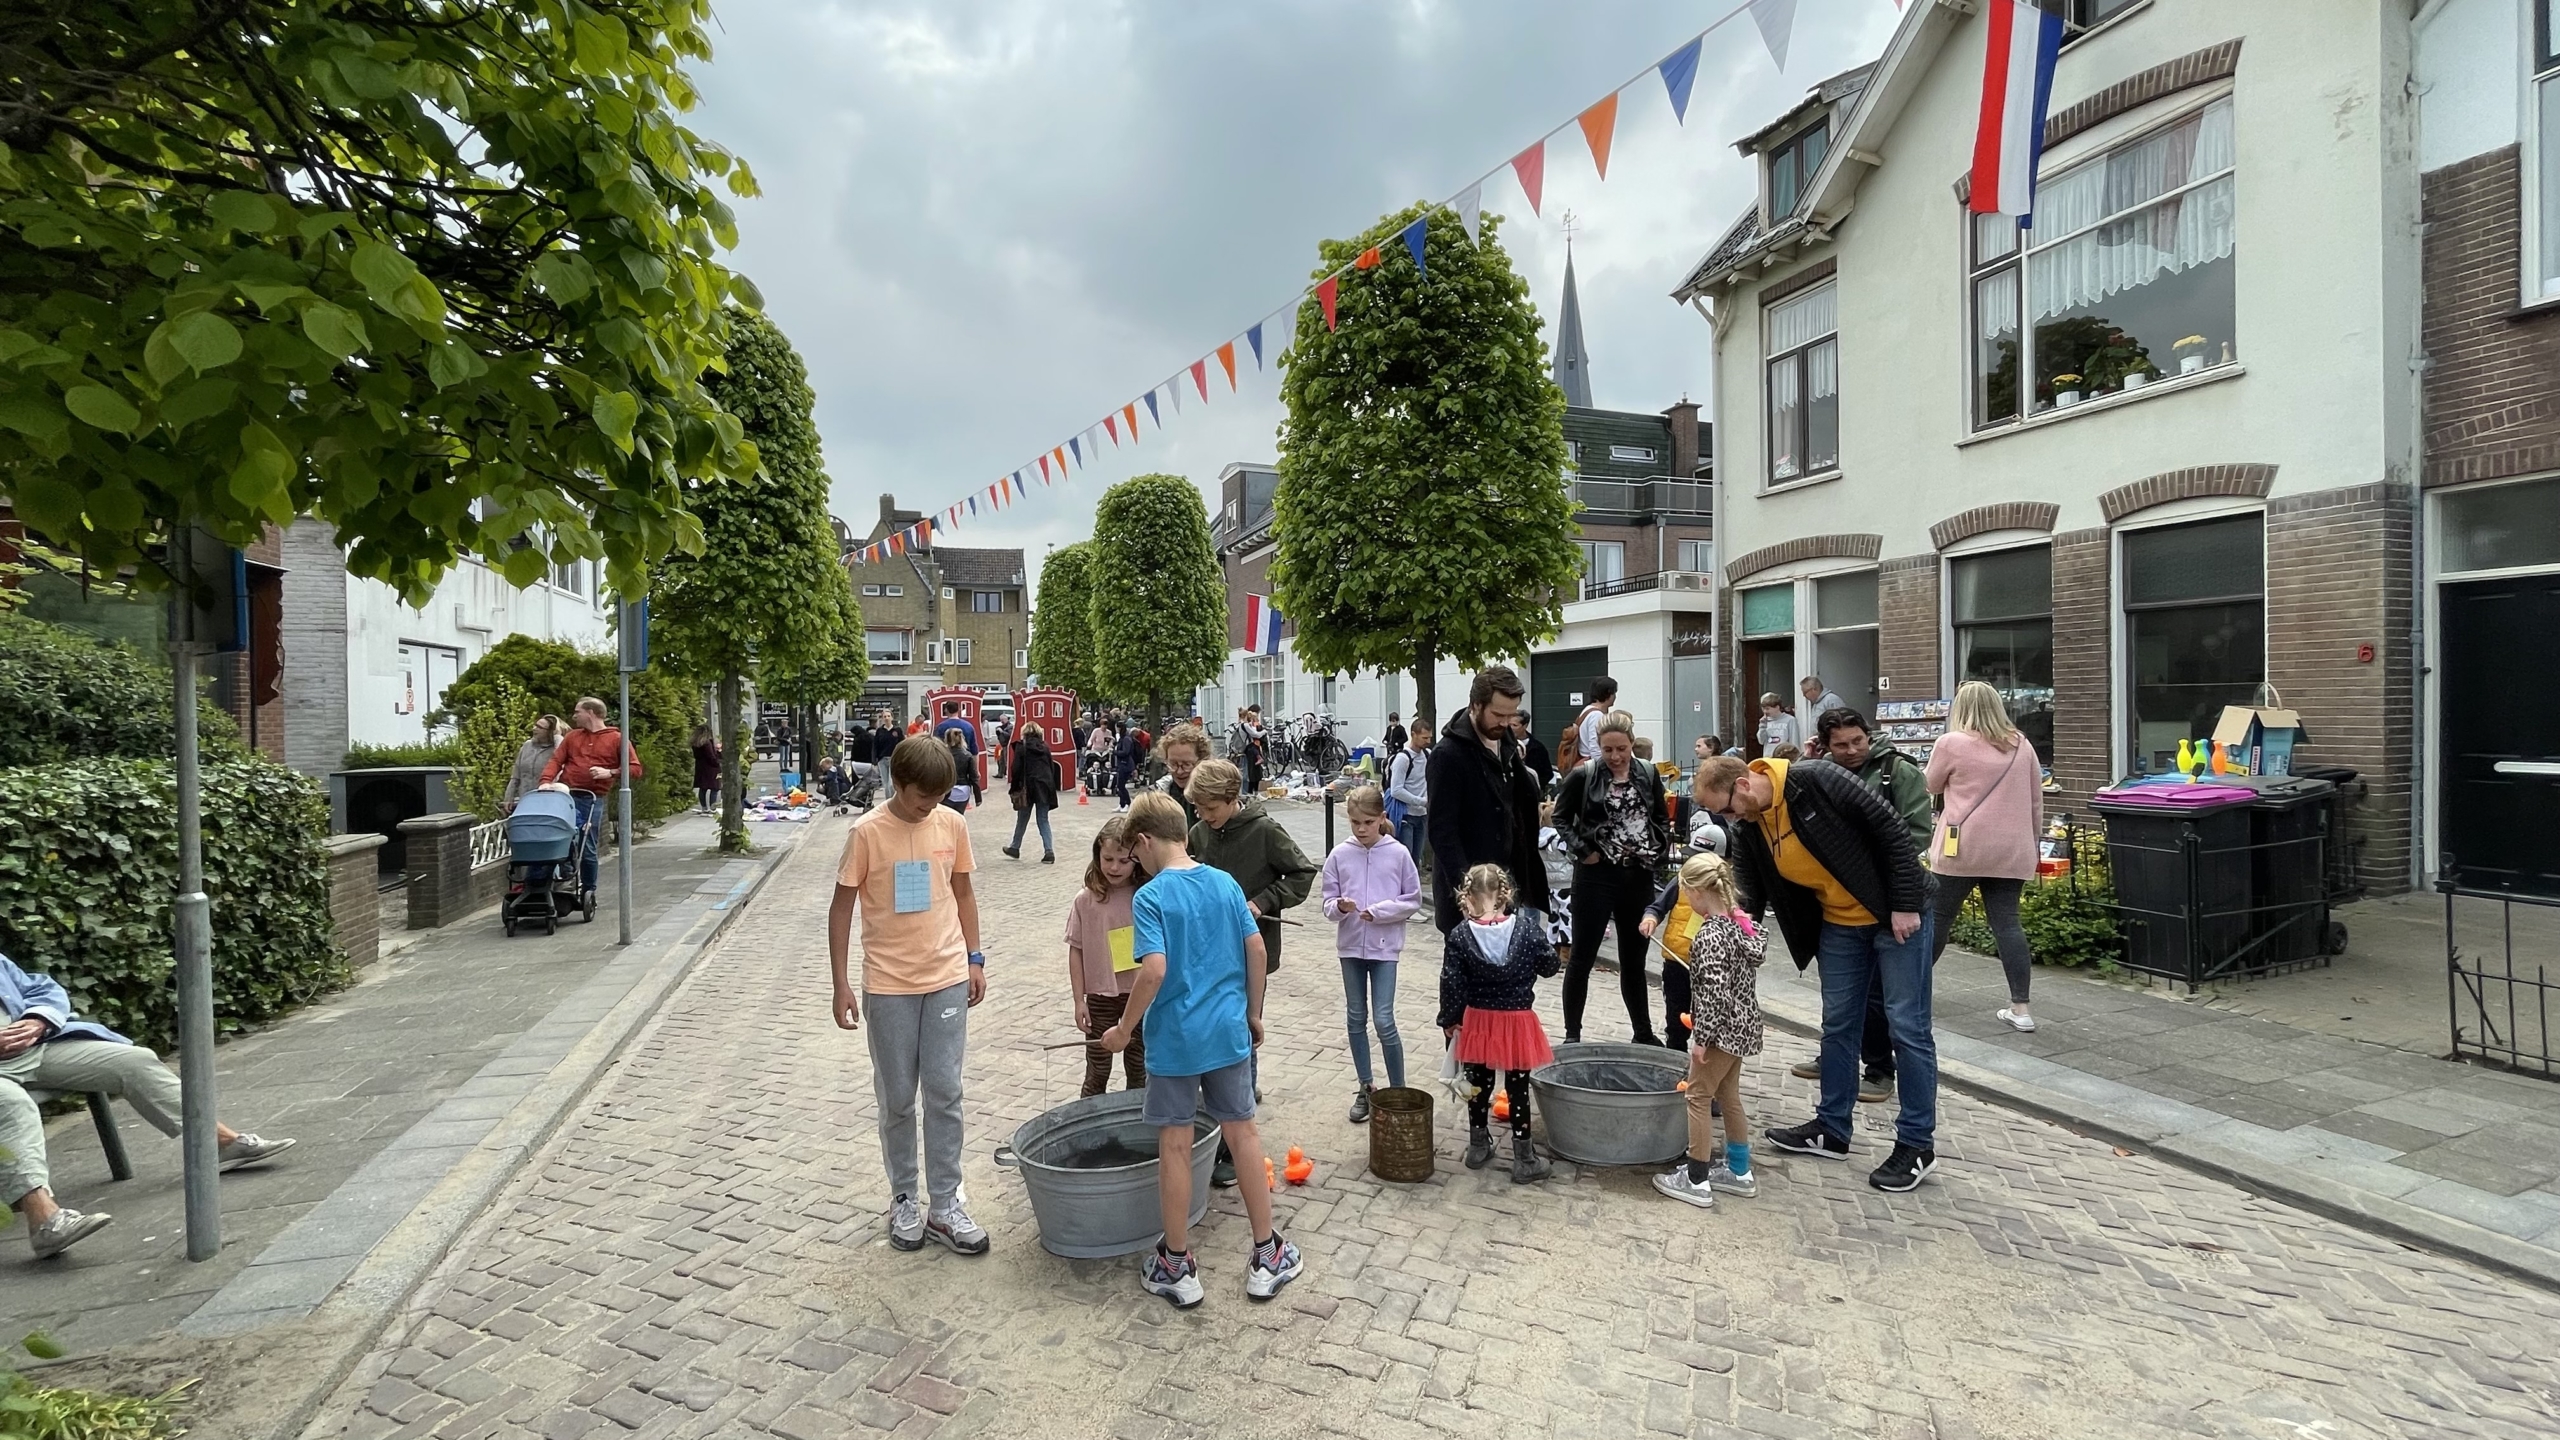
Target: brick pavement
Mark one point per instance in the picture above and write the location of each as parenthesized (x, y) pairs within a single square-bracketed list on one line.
[(701, 1251)]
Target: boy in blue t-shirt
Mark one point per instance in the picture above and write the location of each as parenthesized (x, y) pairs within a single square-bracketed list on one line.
[(1199, 993)]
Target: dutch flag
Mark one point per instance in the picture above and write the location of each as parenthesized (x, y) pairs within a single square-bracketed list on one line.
[(1261, 625), (2023, 37)]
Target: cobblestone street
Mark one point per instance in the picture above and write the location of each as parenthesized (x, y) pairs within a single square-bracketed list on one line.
[(701, 1250)]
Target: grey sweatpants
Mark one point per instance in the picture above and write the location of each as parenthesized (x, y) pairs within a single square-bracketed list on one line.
[(916, 1043), (73, 1067)]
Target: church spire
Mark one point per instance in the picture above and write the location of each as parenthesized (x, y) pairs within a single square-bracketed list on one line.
[(1573, 362)]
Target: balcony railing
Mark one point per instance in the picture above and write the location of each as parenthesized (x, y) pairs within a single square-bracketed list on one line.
[(1652, 580), (1655, 495)]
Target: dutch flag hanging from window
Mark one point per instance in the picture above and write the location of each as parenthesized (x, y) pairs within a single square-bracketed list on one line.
[(2022, 38), (1261, 625)]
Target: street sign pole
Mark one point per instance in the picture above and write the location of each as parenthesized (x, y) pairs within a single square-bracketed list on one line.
[(632, 627), (194, 945)]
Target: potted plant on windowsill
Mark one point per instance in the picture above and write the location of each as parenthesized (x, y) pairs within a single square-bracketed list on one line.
[(2066, 390), (2190, 354)]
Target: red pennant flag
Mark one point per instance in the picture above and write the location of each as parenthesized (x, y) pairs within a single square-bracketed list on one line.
[(1328, 292), (1227, 358), (1368, 259), (1599, 123), (1111, 427), (1200, 376), (1129, 414), (897, 544), (1531, 166), (1044, 471)]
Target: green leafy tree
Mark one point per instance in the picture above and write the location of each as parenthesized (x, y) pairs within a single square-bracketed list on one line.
[(825, 675), (1062, 621), (488, 738), (439, 274), (768, 587), (1159, 599), (663, 709), (1422, 510)]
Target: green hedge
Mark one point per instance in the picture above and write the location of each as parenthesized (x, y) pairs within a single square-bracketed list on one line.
[(66, 695), (89, 870), (400, 757), (2066, 925)]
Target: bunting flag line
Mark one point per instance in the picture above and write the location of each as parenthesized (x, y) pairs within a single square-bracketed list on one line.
[(1531, 166), (2017, 88), (1599, 123), (1679, 71), (1776, 19)]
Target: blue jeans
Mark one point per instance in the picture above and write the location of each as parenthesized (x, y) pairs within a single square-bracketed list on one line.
[(1022, 820), (1369, 988), (590, 825), (1409, 835), (1853, 958)]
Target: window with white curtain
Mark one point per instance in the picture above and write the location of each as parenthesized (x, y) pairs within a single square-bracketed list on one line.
[(1604, 562), (1803, 345), (2545, 191), (2125, 277), (1698, 557)]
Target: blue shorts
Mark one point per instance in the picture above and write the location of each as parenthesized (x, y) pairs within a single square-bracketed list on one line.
[(1226, 1094)]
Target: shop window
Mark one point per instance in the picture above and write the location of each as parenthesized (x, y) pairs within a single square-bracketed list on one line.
[(2001, 607), (2195, 630), (1804, 385), (2126, 277)]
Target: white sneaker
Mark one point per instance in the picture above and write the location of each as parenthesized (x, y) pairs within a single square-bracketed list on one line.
[(247, 1150), (954, 1228), (1676, 1183), (1261, 1283), (65, 1228), (2023, 1024), (1176, 1279), (1725, 1181), (906, 1224)]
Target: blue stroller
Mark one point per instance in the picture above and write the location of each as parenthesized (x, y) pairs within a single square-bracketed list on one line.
[(542, 862)]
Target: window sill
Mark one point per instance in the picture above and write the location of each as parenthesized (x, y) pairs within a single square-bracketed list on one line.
[(2535, 309), (1801, 482), (2172, 385)]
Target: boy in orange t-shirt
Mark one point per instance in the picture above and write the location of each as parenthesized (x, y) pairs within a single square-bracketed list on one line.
[(907, 868)]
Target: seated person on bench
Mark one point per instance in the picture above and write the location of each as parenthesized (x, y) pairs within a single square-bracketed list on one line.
[(45, 1048)]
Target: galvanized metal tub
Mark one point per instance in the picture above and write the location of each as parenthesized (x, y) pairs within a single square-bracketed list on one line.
[(1614, 1104), (1096, 1210)]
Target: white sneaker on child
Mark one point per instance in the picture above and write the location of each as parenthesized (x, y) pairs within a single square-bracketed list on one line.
[(1262, 1282), (956, 1230), (1724, 1180), (1175, 1277), (1677, 1184), (906, 1223)]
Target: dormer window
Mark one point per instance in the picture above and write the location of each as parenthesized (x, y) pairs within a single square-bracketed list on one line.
[(1791, 167)]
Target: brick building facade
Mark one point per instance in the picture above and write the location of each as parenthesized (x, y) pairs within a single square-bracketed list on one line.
[(938, 615)]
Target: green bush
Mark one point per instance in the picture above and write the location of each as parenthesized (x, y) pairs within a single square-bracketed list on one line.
[(2069, 921), (555, 675), (67, 696), (486, 745), (89, 870), (361, 756)]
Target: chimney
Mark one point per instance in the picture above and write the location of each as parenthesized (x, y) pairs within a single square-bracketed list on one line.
[(888, 508), (1684, 438)]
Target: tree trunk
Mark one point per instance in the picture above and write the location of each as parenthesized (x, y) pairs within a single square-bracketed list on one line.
[(733, 772), (1426, 693), (1155, 712)]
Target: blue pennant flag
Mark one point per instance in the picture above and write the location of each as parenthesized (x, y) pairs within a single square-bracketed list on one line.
[(973, 504), (1254, 338), (1679, 72), (1153, 413), (1076, 448), (1413, 237)]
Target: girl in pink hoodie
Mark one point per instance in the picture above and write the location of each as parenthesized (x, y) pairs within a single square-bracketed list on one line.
[(1369, 887)]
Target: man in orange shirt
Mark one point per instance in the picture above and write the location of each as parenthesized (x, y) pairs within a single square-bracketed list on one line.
[(589, 761)]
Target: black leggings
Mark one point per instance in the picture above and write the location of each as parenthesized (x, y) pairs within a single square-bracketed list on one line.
[(2000, 907), (1515, 1083), (1606, 895)]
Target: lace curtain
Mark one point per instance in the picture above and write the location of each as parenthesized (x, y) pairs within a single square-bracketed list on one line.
[(2126, 235)]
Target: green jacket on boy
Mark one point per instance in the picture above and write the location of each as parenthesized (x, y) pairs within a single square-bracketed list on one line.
[(1273, 872)]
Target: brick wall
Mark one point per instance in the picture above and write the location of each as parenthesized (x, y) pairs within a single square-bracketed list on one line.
[(2082, 674), (1907, 642), (355, 897), (2493, 388), (2338, 576)]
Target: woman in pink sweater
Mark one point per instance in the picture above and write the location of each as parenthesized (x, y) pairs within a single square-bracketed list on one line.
[(1990, 813)]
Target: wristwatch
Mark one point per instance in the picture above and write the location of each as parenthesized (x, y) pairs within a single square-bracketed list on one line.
[(978, 959)]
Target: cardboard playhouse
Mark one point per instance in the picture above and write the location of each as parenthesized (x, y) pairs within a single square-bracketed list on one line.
[(2261, 736)]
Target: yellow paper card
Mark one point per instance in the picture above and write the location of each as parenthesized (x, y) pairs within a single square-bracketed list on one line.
[(1124, 948)]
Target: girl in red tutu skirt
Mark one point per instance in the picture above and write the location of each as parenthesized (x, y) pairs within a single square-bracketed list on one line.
[(1488, 986)]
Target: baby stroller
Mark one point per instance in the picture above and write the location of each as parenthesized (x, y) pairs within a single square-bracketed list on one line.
[(542, 862)]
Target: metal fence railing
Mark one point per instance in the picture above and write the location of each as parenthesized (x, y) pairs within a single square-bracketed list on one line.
[(488, 844), (2499, 1008)]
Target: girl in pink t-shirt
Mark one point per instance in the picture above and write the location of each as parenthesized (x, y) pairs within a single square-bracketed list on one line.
[(1102, 964)]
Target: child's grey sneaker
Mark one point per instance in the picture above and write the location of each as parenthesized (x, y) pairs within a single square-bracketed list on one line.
[(1676, 1183), (1261, 1283), (955, 1229), (1175, 1277), (1360, 1107), (906, 1223), (1723, 1179), (65, 1228)]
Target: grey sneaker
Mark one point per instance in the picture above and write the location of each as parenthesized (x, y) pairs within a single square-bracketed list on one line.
[(65, 1228), (1724, 1180), (1676, 1183), (247, 1150), (906, 1224), (1175, 1277), (1360, 1107), (955, 1229), (1261, 1283)]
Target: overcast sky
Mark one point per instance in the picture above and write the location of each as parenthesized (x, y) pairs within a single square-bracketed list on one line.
[(985, 224)]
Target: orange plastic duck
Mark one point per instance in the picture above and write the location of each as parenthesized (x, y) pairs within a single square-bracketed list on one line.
[(1502, 1105), (1300, 1168)]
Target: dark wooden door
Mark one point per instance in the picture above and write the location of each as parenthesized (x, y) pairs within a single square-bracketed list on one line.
[(2499, 695)]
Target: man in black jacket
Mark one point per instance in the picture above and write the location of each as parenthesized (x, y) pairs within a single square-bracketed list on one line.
[(1484, 799), (1835, 862)]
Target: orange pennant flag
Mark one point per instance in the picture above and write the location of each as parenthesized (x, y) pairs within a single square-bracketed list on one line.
[(1227, 358), (1129, 413), (1599, 123), (1061, 453), (1368, 259)]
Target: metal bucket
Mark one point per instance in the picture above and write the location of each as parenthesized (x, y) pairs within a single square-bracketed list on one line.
[(1400, 1134), (1594, 1106), (1096, 1210)]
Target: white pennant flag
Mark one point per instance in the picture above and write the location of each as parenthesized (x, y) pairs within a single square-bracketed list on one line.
[(1470, 207), (1776, 19), (1173, 388)]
